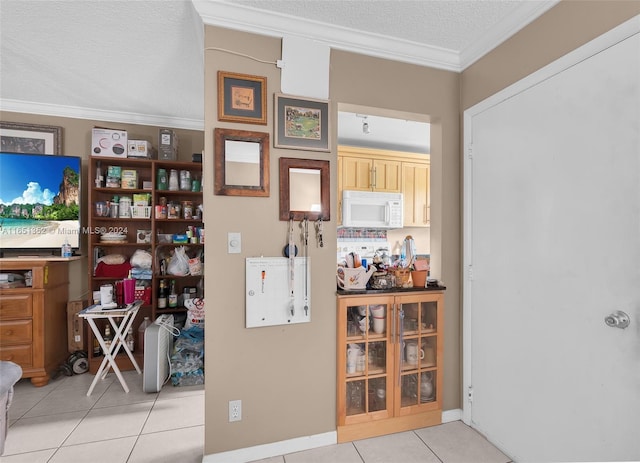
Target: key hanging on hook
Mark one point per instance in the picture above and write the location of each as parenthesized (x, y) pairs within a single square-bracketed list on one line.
[(319, 232)]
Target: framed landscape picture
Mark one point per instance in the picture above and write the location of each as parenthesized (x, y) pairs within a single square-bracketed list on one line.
[(17, 137), (242, 98), (301, 123)]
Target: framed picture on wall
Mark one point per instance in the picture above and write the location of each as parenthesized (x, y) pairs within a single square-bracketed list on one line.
[(242, 98), (301, 123), (17, 137)]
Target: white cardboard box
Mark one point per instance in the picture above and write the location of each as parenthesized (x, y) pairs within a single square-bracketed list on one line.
[(108, 143), (141, 149), (143, 236)]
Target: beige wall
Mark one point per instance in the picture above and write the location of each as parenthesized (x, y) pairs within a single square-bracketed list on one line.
[(286, 375), (76, 141), (372, 82), (562, 29)]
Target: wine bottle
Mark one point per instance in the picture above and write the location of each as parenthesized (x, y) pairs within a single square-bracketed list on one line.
[(173, 296), (162, 295)]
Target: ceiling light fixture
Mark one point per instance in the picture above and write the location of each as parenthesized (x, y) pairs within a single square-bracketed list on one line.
[(365, 125)]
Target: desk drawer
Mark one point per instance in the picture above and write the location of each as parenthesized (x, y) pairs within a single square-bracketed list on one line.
[(16, 332), (22, 355), (16, 306)]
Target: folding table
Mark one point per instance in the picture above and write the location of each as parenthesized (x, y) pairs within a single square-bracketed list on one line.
[(121, 319)]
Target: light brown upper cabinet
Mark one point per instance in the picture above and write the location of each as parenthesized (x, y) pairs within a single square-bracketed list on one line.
[(366, 169), (364, 173), (416, 196)]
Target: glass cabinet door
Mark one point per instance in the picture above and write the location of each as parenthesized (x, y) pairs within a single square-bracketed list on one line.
[(368, 364), (418, 343)]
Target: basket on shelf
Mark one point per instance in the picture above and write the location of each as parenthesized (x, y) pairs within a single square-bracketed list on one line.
[(403, 276), (140, 212)]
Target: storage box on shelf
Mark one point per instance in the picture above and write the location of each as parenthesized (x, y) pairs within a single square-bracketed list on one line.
[(389, 363), (137, 224)]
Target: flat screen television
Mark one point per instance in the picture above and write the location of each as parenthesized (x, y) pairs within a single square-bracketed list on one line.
[(40, 203)]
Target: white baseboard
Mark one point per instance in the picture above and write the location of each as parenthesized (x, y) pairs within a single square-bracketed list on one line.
[(452, 415), (298, 444), (273, 449)]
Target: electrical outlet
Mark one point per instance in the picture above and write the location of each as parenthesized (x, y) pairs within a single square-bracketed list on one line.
[(235, 410)]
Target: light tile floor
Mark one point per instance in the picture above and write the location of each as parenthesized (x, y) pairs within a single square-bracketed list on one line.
[(58, 423)]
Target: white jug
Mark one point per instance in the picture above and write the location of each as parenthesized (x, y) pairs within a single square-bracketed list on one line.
[(353, 278)]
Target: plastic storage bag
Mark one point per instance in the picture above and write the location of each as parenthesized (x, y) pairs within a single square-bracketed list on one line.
[(179, 264), (187, 361)]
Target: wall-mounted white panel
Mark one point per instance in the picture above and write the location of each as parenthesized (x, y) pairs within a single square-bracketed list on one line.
[(306, 67), (268, 295)]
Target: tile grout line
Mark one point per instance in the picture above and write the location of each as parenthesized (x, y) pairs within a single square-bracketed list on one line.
[(427, 445), (133, 447)]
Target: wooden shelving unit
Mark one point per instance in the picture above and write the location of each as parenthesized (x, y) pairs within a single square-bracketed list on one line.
[(147, 170)]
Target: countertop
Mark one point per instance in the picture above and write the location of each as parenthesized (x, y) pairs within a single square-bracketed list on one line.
[(342, 292)]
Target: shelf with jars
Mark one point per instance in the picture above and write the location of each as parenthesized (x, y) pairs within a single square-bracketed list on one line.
[(149, 208), (389, 362)]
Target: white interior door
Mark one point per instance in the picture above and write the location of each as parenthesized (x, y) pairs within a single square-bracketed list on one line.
[(552, 246)]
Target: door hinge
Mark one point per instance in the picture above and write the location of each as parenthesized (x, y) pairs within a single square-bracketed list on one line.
[(470, 273), (470, 151), (470, 394)]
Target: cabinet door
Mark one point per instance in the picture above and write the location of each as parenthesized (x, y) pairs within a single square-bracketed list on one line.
[(387, 176), (365, 359), (356, 173), (419, 357), (415, 188)]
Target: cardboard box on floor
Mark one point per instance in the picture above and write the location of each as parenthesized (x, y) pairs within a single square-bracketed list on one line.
[(76, 339)]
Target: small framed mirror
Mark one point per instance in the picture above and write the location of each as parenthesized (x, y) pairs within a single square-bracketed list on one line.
[(304, 189), (241, 163)]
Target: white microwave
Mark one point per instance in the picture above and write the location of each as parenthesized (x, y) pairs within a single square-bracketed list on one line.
[(371, 209)]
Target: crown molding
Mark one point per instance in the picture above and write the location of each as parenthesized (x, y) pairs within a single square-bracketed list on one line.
[(526, 13), (74, 112), (247, 19), (230, 16)]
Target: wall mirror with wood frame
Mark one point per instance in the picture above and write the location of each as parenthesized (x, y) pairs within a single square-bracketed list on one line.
[(304, 189), (241, 163)]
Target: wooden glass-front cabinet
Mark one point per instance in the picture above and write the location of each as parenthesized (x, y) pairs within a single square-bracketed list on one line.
[(389, 363)]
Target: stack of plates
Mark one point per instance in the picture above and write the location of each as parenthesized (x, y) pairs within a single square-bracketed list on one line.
[(113, 238)]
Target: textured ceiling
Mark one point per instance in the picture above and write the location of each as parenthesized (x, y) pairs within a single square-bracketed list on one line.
[(141, 61), (451, 24)]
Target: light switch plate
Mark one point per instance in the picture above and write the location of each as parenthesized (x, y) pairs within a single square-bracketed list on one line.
[(234, 242)]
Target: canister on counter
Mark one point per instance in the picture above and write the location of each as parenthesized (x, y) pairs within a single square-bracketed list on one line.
[(187, 210)]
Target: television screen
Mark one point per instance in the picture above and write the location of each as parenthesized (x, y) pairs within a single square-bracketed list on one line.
[(39, 202)]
